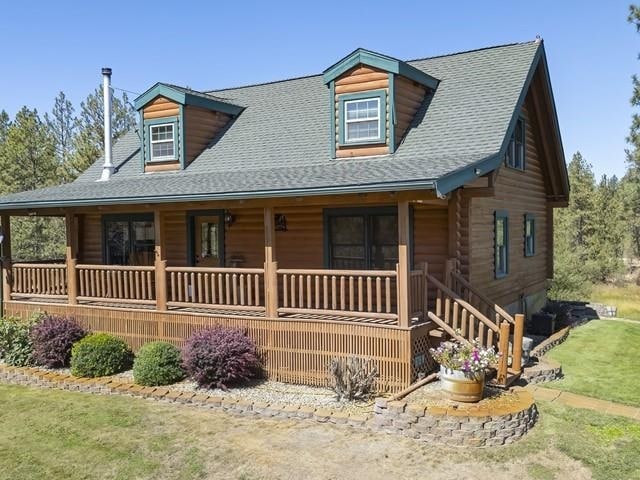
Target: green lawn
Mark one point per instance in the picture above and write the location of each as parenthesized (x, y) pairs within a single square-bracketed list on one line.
[(55, 434), (626, 298), (601, 359)]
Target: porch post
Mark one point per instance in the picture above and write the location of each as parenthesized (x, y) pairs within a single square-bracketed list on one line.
[(404, 265), (72, 258), (5, 220), (160, 261), (270, 265)]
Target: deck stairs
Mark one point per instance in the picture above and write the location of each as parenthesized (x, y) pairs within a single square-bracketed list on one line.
[(461, 312)]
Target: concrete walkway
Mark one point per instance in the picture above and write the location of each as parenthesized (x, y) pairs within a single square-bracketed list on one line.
[(580, 401)]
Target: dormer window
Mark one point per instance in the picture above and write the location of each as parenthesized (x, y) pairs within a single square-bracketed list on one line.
[(163, 142), (363, 118)]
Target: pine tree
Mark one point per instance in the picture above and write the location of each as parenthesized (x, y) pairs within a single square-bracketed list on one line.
[(28, 156), (632, 177), (89, 140), (607, 244), (574, 228), (27, 162), (62, 124)]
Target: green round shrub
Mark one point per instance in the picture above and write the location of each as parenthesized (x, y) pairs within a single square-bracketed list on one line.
[(99, 355), (157, 363)]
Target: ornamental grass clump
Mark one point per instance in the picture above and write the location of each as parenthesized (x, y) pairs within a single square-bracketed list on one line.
[(99, 355), (353, 378), (220, 357), (468, 357), (157, 363), (52, 339)]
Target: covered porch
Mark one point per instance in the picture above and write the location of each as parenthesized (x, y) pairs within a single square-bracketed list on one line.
[(186, 270)]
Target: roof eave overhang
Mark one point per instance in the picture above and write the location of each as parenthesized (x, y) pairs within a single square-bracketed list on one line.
[(427, 184), (383, 62)]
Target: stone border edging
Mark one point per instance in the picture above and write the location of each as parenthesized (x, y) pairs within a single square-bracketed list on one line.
[(545, 371), (475, 426), (554, 340)]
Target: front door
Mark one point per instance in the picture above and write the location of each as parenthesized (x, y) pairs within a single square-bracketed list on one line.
[(208, 236)]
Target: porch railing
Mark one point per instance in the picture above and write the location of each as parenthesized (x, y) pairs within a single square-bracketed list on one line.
[(367, 294), (347, 293), (45, 280), (229, 288), (122, 284)]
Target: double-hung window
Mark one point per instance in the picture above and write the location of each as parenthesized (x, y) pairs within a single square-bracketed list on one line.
[(501, 245), (162, 138), (529, 235), (362, 118), (516, 149)]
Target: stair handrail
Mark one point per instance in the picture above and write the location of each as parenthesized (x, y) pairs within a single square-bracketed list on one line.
[(450, 331), (497, 308), (458, 299)]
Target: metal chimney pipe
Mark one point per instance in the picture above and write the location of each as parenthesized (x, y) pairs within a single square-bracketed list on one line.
[(107, 169)]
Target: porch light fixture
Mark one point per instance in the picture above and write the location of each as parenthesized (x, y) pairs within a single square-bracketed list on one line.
[(229, 219), (281, 222)]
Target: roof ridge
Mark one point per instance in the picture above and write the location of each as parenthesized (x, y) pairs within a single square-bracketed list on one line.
[(462, 52), (260, 84), (301, 77)]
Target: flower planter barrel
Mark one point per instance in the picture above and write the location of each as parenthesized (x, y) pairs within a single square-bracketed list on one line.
[(462, 386)]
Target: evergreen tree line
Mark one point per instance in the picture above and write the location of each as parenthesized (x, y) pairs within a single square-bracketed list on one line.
[(597, 237), (40, 151)]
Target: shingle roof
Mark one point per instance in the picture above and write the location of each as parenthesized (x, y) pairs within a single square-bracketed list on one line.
[(279, 145)]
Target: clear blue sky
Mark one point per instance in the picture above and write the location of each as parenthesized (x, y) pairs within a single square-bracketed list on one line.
[(61, 45)]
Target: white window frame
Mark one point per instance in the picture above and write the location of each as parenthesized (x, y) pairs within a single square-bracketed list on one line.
[(359, 120), (152, 142)]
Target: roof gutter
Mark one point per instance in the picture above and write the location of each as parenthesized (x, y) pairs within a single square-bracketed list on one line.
[(260, 194)]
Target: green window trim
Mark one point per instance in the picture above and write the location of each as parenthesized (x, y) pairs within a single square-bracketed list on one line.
[(129, 218), (177, 139), (514, 141), (381, 95), (366, 213), (501, 245), (529, 246)]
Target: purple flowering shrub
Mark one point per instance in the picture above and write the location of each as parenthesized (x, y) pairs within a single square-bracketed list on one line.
[(52, 338), (470, 357), (220, 357)]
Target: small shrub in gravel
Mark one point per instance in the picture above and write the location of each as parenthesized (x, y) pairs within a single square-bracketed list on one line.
[(52, 340), (220, 357), (157, 363), (16, 347), (99, 355)]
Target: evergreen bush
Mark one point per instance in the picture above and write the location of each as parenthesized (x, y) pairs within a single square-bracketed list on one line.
[(157, 363), (99, 355)]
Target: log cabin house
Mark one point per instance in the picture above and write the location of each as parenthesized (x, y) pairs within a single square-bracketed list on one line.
[(367, 211)]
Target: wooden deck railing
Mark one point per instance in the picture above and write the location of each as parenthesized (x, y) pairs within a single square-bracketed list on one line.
[(45, 280), (348, 293), (461, 320), (229, 288), (119, 283), (464, 289)]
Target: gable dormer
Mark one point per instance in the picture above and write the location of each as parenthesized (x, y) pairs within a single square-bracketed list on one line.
[(177, 124), (373, 101)]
